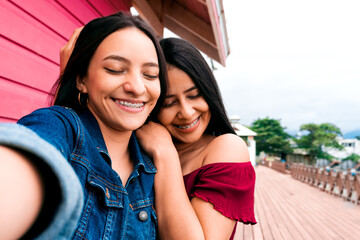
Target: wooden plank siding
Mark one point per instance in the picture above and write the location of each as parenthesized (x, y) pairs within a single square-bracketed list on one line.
[(287, 209), (31, 35)]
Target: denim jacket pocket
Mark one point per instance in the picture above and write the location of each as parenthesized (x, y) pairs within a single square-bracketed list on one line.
[(110, 193)]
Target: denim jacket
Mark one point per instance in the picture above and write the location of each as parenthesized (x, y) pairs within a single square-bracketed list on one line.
[(112, 210)]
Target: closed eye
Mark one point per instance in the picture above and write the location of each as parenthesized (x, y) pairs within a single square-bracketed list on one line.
[(114, 71), (170, 104), (151, 76), (194, 96)]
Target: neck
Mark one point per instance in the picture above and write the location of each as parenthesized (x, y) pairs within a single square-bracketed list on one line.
[(116, 141), (200, 143), (189, 152), (117, 144), (182, 147)]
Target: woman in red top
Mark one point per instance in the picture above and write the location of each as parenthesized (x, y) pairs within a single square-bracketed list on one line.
[(196, 145)]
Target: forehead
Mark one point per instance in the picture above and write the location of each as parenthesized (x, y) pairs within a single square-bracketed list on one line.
[(130, 43), (179, 80)]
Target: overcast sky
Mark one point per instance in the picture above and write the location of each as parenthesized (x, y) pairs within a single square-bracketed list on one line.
[(296, 61)]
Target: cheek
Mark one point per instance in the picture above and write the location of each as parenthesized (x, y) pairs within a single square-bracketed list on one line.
[(203, 106), (99, 83), (154, 89), (165, 117)]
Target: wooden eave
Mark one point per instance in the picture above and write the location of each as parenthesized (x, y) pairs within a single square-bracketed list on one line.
[(202, 22)]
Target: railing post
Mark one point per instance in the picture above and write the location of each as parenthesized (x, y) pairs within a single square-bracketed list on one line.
[(355, 195)]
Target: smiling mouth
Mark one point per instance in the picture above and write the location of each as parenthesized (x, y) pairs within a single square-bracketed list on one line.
[(188, 126), (129, 104)]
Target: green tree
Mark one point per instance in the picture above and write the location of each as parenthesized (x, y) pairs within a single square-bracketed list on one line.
[(353, 157), (318, 136), (271, 136)]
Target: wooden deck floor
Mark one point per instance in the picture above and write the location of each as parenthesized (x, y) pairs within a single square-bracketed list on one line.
[(288, 209)]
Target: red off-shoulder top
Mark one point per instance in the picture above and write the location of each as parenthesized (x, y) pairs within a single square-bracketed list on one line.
[(228, 186)]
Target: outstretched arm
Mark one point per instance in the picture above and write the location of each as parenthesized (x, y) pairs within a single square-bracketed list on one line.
[(21, 193)]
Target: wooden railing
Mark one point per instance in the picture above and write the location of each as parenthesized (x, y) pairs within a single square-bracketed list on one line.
[(342, 184), (276, 165)]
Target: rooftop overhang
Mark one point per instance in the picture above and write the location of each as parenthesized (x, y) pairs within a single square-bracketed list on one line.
[(202, 22), (242, 131)]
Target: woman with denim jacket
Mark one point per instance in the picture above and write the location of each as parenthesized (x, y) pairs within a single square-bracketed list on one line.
[(205, 181), (76, 168)]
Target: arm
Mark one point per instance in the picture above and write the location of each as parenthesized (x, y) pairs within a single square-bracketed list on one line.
[(22, 193), (225, 148), (58, 216), (22, 156), (214, 224), (177, 218)]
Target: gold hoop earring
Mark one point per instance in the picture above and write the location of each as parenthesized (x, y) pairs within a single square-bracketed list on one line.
[(81, 102)]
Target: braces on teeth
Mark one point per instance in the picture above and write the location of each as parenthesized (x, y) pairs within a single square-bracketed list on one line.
[(189, 126), (132, 105)]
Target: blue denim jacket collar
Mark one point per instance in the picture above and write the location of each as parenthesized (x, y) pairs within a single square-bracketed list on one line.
[(142, 158), (139, 157)]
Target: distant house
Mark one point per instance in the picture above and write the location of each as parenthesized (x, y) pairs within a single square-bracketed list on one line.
[(351, 146), (247, 135), (298, 156)]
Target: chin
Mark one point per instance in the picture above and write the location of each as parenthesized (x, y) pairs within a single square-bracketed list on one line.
[(129, 126)]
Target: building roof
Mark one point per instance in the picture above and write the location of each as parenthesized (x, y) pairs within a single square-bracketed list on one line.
[(242, 131), (201, 22)]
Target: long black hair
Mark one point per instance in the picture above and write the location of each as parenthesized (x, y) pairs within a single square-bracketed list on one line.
[(183, 55), (91, 36)]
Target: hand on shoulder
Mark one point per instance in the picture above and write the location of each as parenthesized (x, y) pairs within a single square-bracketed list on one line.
[(226, 148), (155, 139)]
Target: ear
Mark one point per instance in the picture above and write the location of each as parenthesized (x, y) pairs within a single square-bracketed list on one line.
[(80, 84)]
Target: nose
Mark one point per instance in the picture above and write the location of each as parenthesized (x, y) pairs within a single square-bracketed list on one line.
[(134, 84), (186, 110)]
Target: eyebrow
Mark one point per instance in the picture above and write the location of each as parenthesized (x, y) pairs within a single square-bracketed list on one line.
[(151, 64), (117, 58), (122, 59), (190, 89), (186, 91)]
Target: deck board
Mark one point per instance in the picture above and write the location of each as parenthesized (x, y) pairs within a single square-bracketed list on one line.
[(289, 209)]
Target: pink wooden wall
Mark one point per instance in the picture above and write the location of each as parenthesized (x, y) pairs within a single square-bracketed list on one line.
[(31, 35)]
